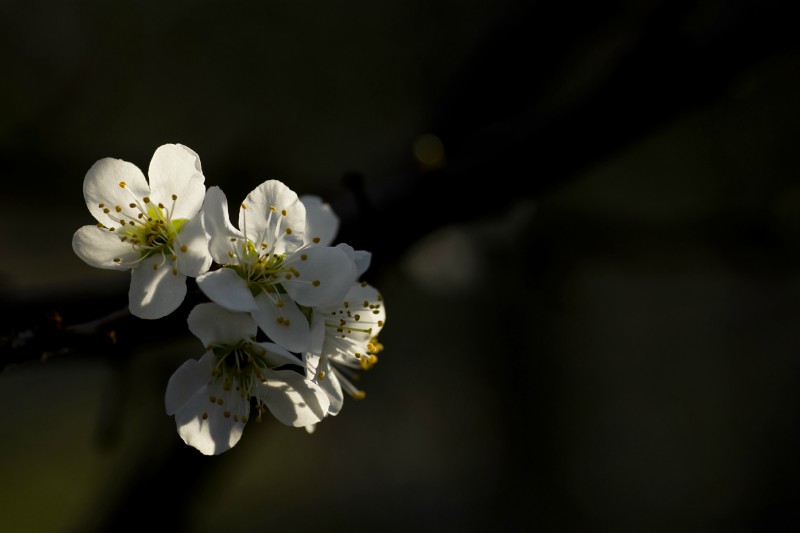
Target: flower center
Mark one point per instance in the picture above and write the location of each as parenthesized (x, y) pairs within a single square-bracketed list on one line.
[(257, 263), (156, 234), (152, 231), (240, 367), (263, 271)]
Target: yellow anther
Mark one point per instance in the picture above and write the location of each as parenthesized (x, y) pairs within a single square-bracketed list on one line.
[(273, 208), (357, 316), (235, 418), (106, 210), (233, 239), (174, 197), (226, 414), (367, 362), (230, 255), (279, 303), (288, 231), (366, 303), (359, 395), (174, 271), (315, 283), (288, 276), (244, 205), (174, 257), (303, 257), (321, 374), (219, 401), (363, 283), (283, 212), (117, 260), (184, 248), (375, 345), (101, 205), (160, 205), (205, 416), (212, 398), (146, 199), (264, 245), (122, 184), (244, 420), (380, 323), (346, 304), (155, 266), (118, 208), (316, 240)]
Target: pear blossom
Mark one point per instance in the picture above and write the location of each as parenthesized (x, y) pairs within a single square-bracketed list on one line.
[(150, 228), (267, 268), (345, 340), (211, 397)]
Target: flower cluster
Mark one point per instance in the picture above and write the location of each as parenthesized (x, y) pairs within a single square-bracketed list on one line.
[(288, 322)]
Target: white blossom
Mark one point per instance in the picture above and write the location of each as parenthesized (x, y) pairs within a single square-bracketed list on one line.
[(150, 228)]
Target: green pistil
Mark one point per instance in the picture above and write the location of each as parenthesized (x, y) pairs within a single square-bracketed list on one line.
[(156, 235), (264, 273), (241, 363)]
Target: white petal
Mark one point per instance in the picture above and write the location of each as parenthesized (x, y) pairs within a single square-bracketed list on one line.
[(184, 383), (321, 222), (263, 220), (318, 370), (101, 186), (326, 274), (218, 226), (228, 289), (312, 362), (330, 384), (285, 325), (175, 170), (203, 424), (155, 292), (292, 399), (196, 259), (362, 259), (278, 355), (366, 300), (213, 324), (317, 331), (99, 247)]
